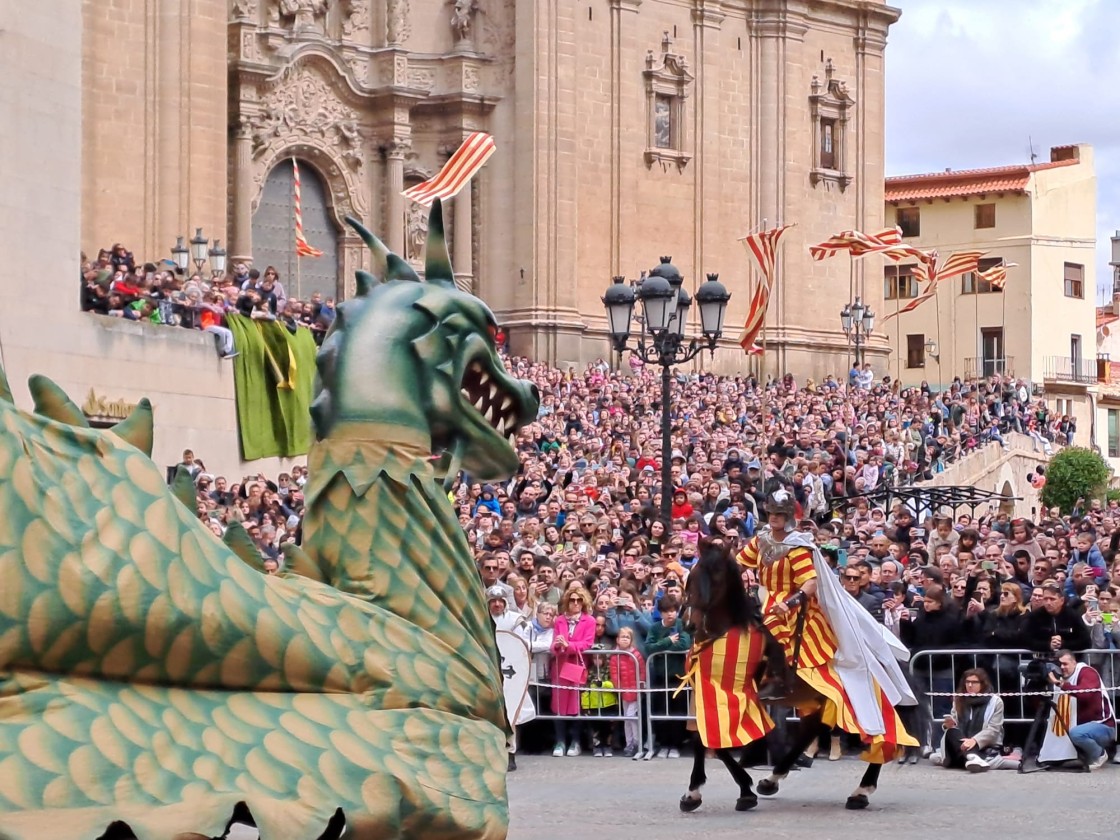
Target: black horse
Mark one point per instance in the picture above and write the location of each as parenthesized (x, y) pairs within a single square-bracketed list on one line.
[(716, 602)]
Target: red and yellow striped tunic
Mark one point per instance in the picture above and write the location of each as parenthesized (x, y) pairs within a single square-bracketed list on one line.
[(781, 579), (728, 712)]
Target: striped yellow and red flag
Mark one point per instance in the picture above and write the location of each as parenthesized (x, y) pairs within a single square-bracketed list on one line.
[(728, 712), (930, 291), (996, 275), (763, 247), (756, 320), (303, 247), (459, 169), (959, 262), (856, 243)]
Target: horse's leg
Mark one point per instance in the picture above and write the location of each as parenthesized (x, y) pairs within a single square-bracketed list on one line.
[(747, 798), (867, 785), (807, 731), (691, 800)]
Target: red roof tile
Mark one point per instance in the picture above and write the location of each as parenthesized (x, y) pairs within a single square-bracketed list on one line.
[(1106, 316), (961, 183)]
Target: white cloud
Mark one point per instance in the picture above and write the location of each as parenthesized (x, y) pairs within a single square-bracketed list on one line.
[(973, 84)]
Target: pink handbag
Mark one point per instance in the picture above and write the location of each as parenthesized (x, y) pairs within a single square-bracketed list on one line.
[(574, 672)]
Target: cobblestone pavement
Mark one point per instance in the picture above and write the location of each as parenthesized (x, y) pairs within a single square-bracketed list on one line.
[(619, 799)]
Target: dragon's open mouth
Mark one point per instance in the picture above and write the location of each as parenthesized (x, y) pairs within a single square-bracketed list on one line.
[(499, 407)]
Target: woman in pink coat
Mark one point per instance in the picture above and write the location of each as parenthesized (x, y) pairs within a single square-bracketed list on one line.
[(574, 633)]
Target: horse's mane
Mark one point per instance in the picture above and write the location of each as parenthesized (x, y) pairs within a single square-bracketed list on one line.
[(716, 598)]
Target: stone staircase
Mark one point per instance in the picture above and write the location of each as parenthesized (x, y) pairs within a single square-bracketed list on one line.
[(1004, 471)]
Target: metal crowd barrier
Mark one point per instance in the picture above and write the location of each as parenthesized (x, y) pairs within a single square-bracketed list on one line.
[(937, 672), (595, 700), (659, 699)]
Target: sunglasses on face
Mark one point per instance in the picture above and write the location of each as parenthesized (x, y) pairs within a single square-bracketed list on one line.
[(852, 577)]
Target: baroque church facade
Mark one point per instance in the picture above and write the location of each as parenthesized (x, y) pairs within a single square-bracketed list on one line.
[(626, 130)]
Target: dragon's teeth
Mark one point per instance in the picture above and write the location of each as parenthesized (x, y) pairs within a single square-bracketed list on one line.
[(483, 378), (506, 403), (466, 394), (478, 403)]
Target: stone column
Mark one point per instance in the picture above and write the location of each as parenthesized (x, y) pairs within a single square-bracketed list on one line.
[(463, 258), (395, 152), (242, 245)]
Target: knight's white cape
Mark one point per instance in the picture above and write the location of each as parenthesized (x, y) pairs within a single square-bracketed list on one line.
[(866, 653)]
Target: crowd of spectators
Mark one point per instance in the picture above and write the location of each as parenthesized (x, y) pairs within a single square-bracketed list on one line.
[(114, 284), (573, 548)]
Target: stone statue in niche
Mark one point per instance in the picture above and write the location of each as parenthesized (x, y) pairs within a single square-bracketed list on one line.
[(461, 16), (415, 231), (307, 15)]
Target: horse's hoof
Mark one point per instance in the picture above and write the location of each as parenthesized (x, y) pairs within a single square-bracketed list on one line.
[(745, 803), (803, 761), (767, 787), (688, 804), (857, 803)]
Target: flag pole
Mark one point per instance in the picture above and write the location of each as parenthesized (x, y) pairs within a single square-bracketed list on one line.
[(937, 308), (898, 320), (976, 306), (299, 295)]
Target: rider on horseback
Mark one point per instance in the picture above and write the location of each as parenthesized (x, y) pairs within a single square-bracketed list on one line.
[(846, 674)]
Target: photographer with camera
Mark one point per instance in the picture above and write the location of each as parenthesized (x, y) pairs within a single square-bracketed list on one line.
[(1056, 626), (1095, 730)]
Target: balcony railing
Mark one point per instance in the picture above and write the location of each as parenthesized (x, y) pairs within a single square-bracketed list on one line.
[(980, 368), (1066, 369)]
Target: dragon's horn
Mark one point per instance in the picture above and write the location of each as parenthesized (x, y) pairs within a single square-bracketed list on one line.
[(137, 427), (299, 562), (400, 270), (5, 388), (379, 252), (437, 267), (183, 489), (366, 282), (238, 541), (52, 402)]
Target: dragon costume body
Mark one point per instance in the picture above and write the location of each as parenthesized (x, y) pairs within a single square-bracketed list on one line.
[(152, 674)]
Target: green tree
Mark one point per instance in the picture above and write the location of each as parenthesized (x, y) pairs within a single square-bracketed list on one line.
[(1074, 473)]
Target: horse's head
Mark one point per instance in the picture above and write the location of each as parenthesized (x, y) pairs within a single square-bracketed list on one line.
[(716, 597)]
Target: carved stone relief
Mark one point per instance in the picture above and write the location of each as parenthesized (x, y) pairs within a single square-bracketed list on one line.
[(357, 20), (416, 231), (462, 17), (397, 24), (304, 15), (305, 105), (243, 9)]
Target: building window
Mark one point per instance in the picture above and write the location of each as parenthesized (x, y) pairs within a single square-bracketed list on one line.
[(828, 144), (1113, 433), (1074, 280), (969, 282), (985, 216), (663, 122), (899, 282), (667, 85), (916, 351), (993, 362), (910, 220), (1075, 353), (829, 107)]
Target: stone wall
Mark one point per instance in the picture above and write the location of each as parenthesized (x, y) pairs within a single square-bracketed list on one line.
[(153, 133), (1003, 471)]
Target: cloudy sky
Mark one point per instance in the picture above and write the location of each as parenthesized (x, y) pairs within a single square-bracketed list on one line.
[(973, 83)]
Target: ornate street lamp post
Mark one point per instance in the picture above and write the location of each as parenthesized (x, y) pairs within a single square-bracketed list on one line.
[(662, 341), (857, 321)]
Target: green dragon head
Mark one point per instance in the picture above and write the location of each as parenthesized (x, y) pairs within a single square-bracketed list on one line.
[(420, 356)]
